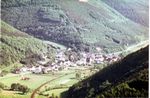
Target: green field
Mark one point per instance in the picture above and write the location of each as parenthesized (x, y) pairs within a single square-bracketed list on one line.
[(12, 94), (33, 83), (37, 80)]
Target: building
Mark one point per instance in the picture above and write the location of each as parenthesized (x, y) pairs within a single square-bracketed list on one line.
[(99, 59), (37, 70)]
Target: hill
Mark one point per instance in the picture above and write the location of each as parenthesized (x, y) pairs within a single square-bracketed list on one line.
[(15, 45), (126, 78), (135, 10), (80, 25)]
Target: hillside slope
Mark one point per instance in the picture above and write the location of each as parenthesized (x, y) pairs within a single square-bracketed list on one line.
[(76, 24), (135, 10), (126, 78), (15, 45)]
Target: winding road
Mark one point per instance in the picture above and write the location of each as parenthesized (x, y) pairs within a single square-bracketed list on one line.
[(132, 48), (35, 91)]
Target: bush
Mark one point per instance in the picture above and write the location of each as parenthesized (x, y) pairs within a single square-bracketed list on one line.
[(18, 87), (3, 73), (2, 86)]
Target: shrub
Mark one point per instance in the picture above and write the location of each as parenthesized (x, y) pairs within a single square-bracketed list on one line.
[(18, 87)]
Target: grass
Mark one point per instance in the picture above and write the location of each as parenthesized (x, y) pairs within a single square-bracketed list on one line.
[(9, 68), (65, 82), (7, 29), (14, 94), (56, 92), (36, 80), (33, 83)]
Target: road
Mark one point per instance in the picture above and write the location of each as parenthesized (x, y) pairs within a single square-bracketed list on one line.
[(133, 48), (35, 91)]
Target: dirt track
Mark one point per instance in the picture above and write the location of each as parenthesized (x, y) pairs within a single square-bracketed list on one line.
[(35, 91)]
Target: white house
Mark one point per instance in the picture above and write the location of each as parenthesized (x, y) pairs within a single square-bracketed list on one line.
[(60, 57), (99, 58), (82, 61), (24, 69), (38, 70)]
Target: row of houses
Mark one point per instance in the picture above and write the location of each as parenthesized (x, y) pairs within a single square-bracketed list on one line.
[(86, 58), (62, 62), (97, 58)]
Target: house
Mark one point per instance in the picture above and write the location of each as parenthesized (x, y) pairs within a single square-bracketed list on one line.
[(99, 59), (82, 61), (67, 63), (47, 69), (43, 59), (60, 56), (24, 69), (38, 70), (83, 54), (17, 71), (32, 68), (114, 59), (42, 62), (73, 64)]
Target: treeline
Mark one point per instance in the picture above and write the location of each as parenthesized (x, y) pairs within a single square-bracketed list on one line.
[(15, 87), (15, 45), (15, 48), (14, 3), (19, 3), (134, 86), (18, 87)]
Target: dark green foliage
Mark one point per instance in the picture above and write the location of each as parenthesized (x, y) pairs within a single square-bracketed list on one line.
[(15, 48), (18, 87), (79, 26), (53, 96), (15, 86), (125, 90), (2, 86), (78, 75), (128, 10), (126, 78), (3, 73), (15, 45), (14, 3)]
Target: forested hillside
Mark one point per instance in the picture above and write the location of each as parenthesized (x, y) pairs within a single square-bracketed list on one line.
[(137, 12), (15, 45), (80, 25), (126, 78)]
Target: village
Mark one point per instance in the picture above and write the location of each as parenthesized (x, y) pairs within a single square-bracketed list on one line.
[(65, 60)]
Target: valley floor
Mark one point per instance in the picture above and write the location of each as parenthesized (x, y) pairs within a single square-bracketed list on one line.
[(42, 85)]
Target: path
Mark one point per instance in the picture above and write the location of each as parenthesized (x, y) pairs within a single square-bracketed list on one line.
[(133, 48), (34, 92)]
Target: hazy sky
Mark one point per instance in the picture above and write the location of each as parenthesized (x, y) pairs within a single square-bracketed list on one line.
[(83, 0)]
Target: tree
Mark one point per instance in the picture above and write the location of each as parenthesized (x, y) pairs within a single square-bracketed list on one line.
[(19, 87), (23, 89), (78, 75), (14, 86), (3, 73), (2, 86)]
